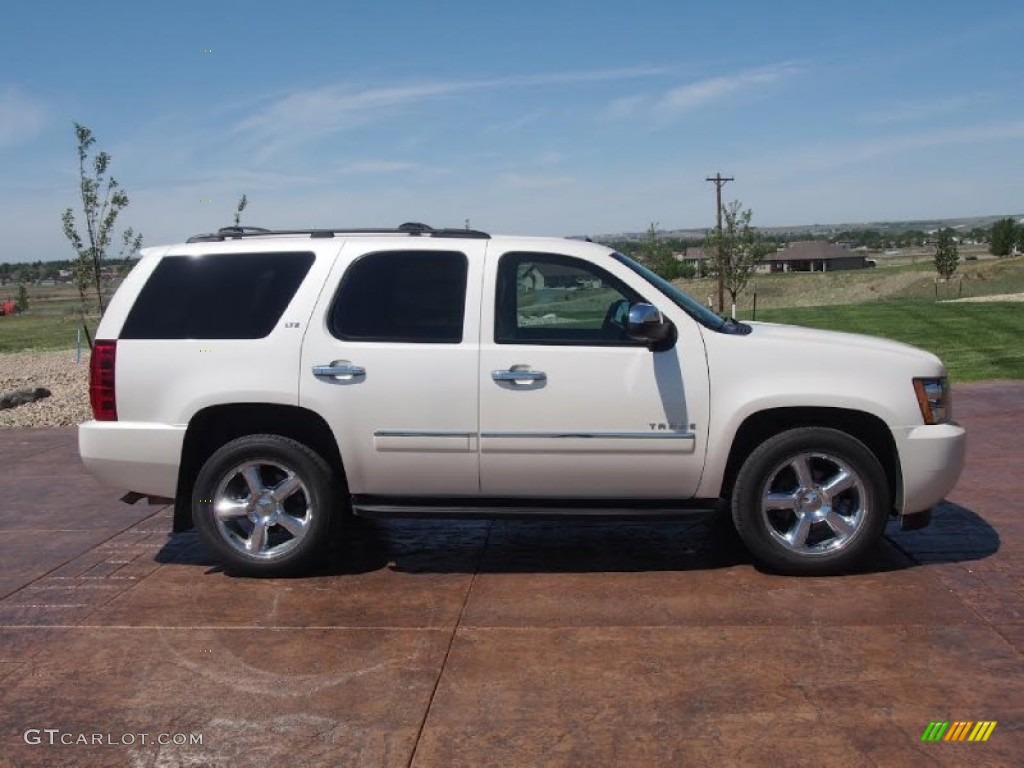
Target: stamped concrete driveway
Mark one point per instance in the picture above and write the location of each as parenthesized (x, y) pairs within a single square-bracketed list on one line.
[(505, 644)]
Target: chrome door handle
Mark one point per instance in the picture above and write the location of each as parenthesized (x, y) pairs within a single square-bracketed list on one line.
[(338, 371), (516, 375)]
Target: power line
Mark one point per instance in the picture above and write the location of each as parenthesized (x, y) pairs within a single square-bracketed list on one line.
[(720, 181)]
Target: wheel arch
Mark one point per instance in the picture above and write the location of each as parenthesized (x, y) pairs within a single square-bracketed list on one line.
[(216, 425), (866, 427)]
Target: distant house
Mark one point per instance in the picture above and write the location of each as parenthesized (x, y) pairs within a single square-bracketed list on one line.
[(555, 276), (695, 257), (801, 256), (812, 256)]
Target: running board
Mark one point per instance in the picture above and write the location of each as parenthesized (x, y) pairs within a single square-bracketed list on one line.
[(485, 510)]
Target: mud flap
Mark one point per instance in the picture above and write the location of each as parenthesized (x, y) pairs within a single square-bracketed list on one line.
[(916, 521)]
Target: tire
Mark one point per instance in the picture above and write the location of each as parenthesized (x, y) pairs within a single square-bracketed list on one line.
[(264, 504), (810, 501)]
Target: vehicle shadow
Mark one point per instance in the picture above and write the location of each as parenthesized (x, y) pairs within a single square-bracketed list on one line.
[(698, 541), (956, 534)]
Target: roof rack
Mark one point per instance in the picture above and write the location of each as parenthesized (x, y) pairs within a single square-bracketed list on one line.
[(411, 228)]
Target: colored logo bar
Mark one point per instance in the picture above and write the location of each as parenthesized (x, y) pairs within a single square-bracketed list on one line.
[(958, 730)]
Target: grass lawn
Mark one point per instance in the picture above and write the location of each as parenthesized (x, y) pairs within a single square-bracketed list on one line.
[(884, 283), (51, 321), (39, 331), (975, 341)]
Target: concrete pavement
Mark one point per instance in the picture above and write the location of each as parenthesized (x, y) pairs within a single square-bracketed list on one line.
[(508, 643)]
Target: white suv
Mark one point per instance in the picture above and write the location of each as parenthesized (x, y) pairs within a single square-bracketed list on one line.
[(273, 381)]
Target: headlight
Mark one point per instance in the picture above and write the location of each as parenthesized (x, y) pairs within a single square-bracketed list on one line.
[(933, 397)]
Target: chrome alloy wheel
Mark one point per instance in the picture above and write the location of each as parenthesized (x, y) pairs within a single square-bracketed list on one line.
[(262, 509), (814, 504)]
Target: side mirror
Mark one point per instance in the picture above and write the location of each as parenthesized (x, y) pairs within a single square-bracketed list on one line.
[(646, 323)]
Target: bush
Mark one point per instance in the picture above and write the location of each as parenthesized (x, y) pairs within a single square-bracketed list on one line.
[(675, 270), (21, 303)]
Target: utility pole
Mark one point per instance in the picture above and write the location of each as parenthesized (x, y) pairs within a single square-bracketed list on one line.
[(720, 181)]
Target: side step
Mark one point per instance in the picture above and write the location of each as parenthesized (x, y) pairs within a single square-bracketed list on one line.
[(550, 509)]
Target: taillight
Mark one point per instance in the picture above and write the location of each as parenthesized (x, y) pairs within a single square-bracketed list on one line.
[(101, 381)]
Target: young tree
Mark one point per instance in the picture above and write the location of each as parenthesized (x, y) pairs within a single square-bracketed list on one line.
[(241, 207), (21, 303), (657, 253), (102, 202), (1004, 235), (947, 255), (740, 246)]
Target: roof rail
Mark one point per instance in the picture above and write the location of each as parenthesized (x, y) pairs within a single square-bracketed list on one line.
[(410, 228), (239, 230)]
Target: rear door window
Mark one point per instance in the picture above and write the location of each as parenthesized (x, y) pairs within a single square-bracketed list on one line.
[(402, 296)]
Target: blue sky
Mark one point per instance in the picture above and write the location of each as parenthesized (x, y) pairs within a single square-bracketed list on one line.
[(528, 117)]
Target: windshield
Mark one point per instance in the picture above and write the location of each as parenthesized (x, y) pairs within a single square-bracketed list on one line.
[(684, 301)]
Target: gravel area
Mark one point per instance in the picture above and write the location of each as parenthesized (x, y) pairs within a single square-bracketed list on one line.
[(68, 403)]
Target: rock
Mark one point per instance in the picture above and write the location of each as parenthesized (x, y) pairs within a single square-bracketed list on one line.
[(22, 396), (68, 383)]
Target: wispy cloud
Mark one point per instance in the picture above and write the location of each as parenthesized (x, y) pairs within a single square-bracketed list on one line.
[(693, 95), (975, 134), (571, 78), (384, 167), (535, 181), (690, 96), (550, 157), (841, 154), (515, 124), (377, 166), (21, 117), (229, 182), (911, 112), (626, 106), (308, 114)]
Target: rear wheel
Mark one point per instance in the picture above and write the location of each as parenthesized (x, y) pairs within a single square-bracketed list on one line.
[(263, 504), (810, 501)]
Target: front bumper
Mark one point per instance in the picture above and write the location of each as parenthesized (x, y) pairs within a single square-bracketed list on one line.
[(931, 458), (132, 455)]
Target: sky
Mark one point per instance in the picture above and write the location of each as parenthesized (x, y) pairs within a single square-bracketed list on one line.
[(550, 117)]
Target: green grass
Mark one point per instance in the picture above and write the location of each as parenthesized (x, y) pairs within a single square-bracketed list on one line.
[(975, 341), (38, 331), (51, 321), (884, 283)]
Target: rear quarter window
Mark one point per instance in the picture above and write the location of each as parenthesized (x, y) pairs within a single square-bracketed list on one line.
[(216, 296)]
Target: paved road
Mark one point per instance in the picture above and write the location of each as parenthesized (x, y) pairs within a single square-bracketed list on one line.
[(504, 644)]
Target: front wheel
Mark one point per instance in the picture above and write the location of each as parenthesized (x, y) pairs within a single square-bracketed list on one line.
[(263, 505), (810, 501)]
